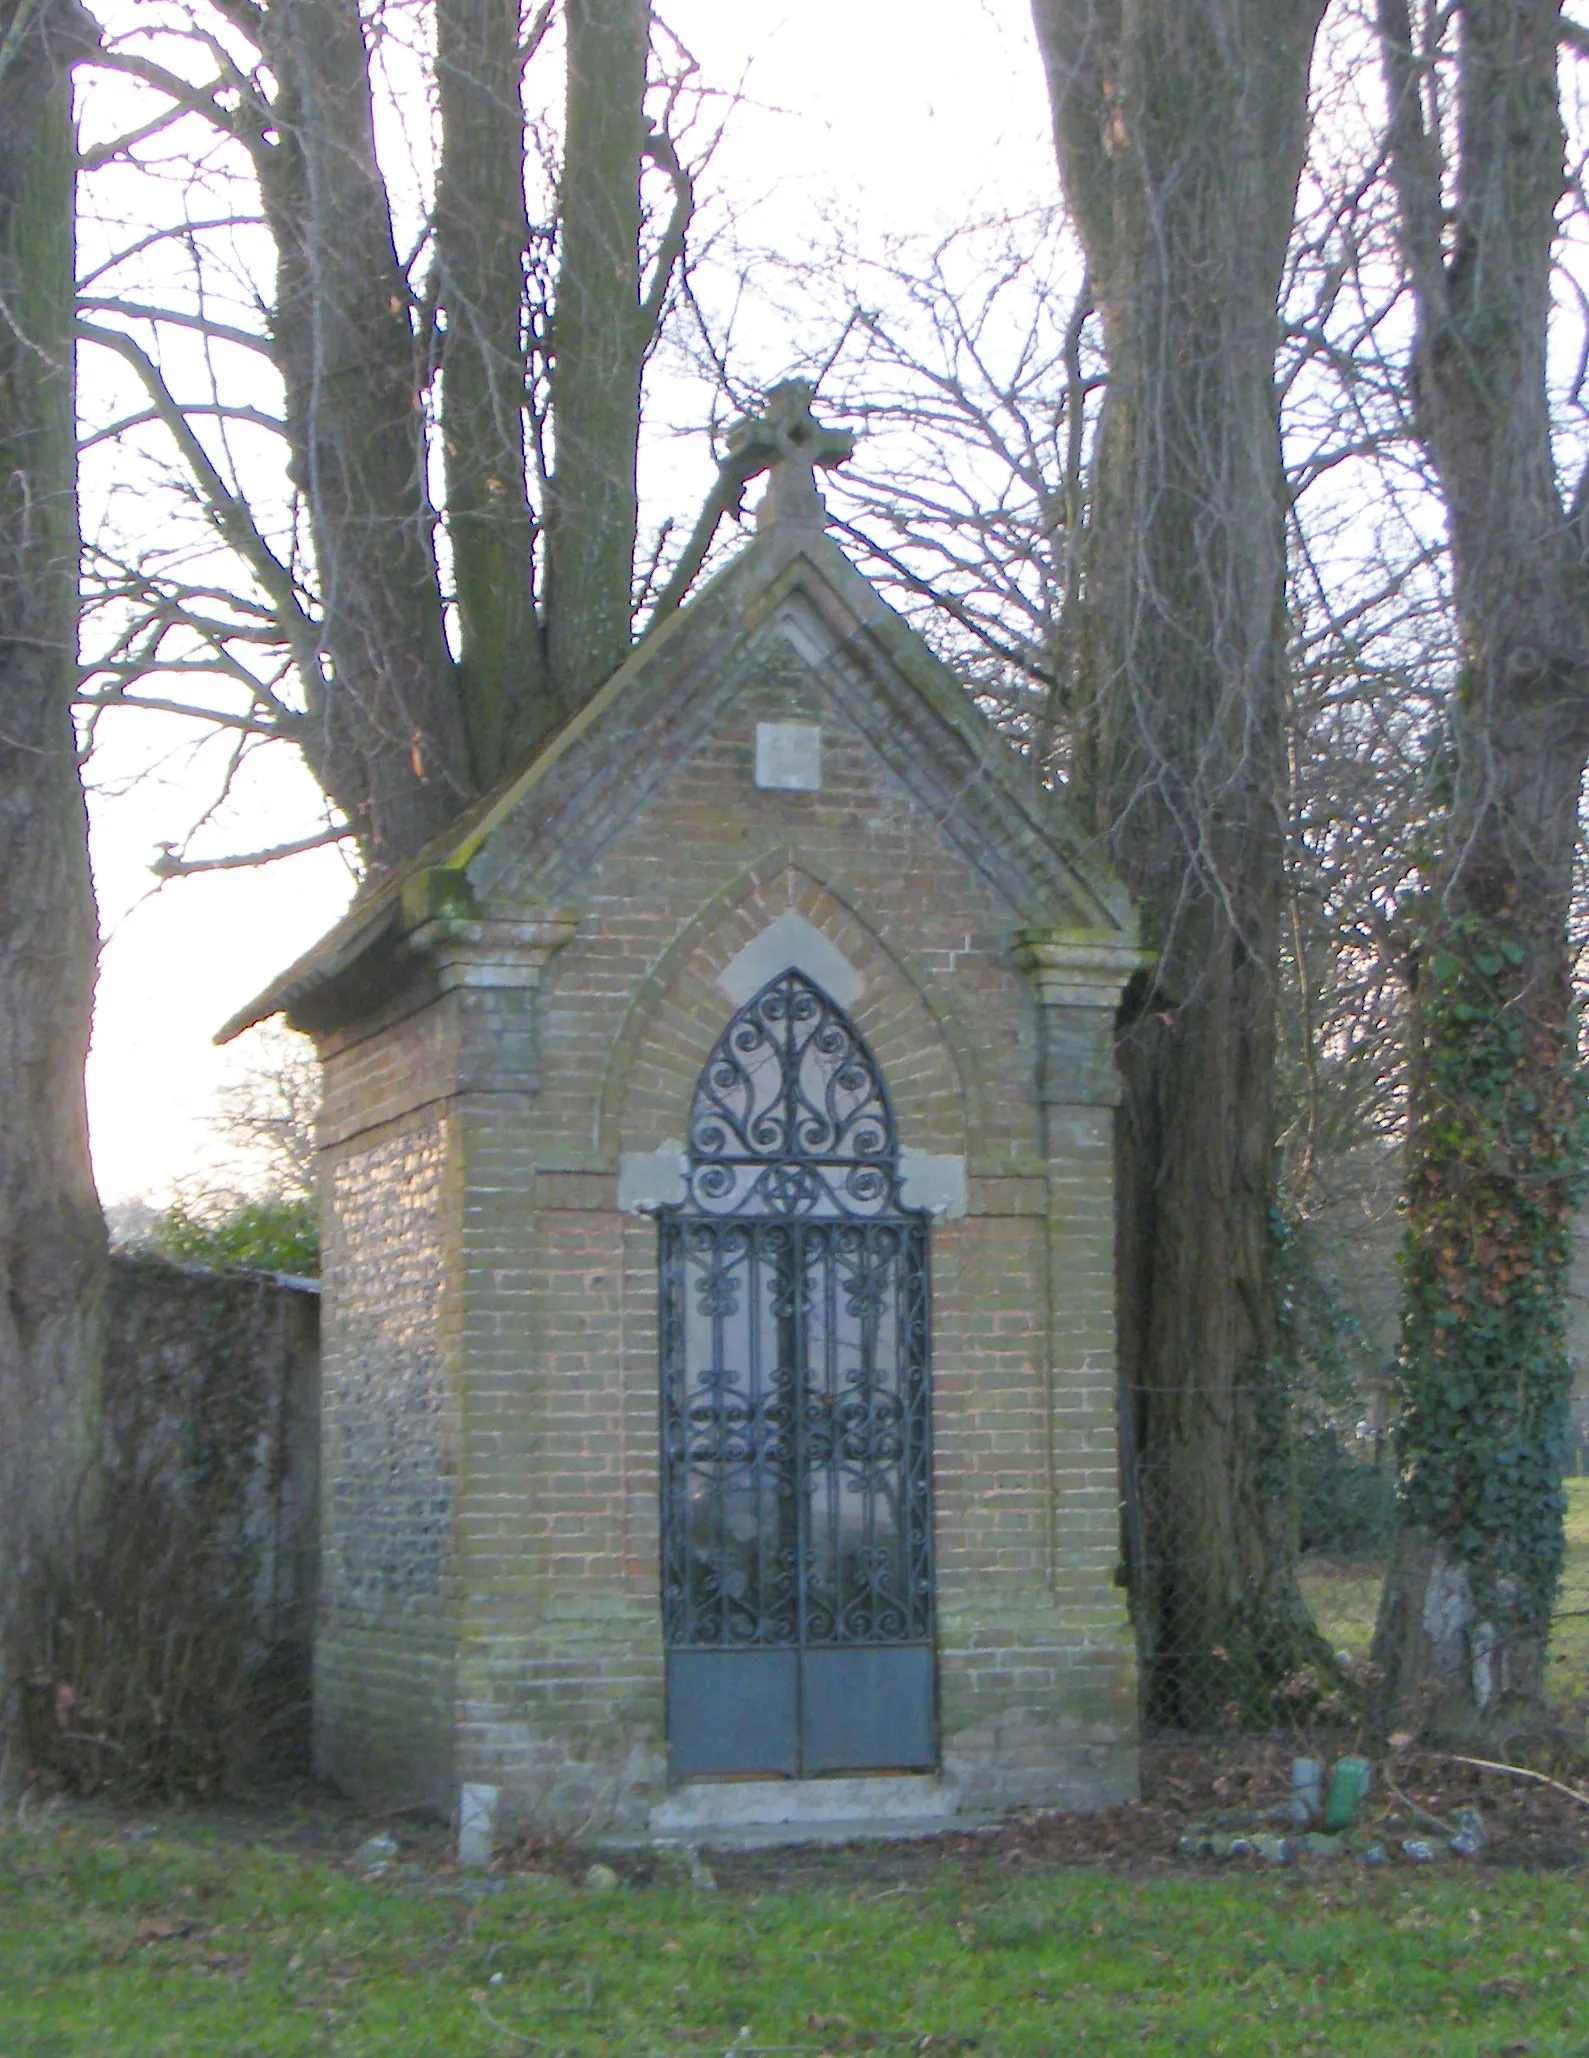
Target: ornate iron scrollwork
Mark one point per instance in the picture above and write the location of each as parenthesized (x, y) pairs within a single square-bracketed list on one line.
[(796, 1454), (791, 1117)]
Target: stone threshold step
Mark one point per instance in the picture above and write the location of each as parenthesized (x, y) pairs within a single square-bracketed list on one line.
[(860, 1829), (759, 1814), (800, 1803)]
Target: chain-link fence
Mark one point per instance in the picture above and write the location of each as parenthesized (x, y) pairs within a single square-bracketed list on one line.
[(1192, 1681)]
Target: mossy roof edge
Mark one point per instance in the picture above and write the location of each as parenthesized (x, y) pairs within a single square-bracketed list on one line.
[(767, 570)]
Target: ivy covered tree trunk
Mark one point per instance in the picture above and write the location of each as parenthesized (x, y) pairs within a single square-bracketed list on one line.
[(1181, 127), (1496, 1149), (52, 1236)]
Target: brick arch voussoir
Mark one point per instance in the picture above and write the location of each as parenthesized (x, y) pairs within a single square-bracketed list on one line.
[(923, 1047)]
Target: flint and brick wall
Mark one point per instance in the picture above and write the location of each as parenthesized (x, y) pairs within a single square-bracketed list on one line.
[(389, 1396)]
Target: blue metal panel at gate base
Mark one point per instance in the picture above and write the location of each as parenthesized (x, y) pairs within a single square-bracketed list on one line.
[(733, 1711), (868, 1708)]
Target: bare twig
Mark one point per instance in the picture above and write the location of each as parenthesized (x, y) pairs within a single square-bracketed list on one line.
[(660, 148), (516, 2036), (1515, 1772), (231, 514), (1413, 1808), (535, 35), (169, 866), (169, 317)]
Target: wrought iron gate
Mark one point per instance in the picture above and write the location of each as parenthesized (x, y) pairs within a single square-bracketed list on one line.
[(796, 1451)]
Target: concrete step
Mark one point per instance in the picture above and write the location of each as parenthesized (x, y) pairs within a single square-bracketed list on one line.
[(861, 1829), (754, 1814)]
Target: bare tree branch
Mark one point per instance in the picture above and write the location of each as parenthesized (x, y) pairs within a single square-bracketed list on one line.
[(230, 513), (659, 147), (1415, 163), (174, 317), (170, 866)]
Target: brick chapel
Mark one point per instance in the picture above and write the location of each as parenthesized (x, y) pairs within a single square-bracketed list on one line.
[(718, 1392)]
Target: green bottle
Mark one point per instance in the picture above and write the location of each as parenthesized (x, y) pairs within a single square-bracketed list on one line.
[(1348, 1787)]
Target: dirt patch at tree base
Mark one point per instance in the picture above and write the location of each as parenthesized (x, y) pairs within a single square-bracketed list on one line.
[(1526, 1826)]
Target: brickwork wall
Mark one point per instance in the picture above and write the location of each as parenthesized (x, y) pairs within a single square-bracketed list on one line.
[(1039, 1670), (560, 1680), (564, 1700), (710, 863), (544, 1472), (385, 1069)]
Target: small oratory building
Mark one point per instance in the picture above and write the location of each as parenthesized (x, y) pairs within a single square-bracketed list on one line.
[(718, 1378)]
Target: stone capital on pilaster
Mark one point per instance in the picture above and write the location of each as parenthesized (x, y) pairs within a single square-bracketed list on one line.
[(497, 952), (1078, 976), (1078, 968)]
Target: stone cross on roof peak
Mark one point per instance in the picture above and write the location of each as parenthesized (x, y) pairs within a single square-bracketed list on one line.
[(788, 442)]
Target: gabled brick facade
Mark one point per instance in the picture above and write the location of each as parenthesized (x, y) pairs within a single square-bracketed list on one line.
[(512, 1033)]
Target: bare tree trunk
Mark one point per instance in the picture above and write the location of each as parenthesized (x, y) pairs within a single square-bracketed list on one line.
[(1496, 1150), (600, 341), (482, 231), (386, 735), (1181, 127), (397, 733), (52, 1236)]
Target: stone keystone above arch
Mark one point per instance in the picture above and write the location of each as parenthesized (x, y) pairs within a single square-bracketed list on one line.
[(791, 942)]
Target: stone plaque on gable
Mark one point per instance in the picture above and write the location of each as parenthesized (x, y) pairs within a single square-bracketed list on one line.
[(718, 1374), (789, 754)]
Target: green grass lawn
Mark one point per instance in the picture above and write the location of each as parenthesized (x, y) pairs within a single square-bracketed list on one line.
[(121, 1945), (179, 1940), (1344, 1597)]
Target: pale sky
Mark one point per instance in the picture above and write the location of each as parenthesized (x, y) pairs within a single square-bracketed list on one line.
[(900, 116)]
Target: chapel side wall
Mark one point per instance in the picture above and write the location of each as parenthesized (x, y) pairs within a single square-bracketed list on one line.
[(561, 1679), (384, 1649), (1037, 1663), (559, 1669)]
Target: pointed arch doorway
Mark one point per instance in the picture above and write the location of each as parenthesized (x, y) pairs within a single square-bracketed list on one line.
[(797, 1579)]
